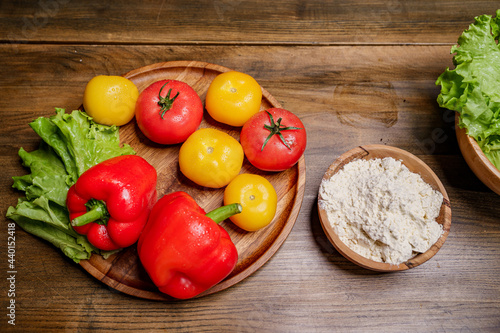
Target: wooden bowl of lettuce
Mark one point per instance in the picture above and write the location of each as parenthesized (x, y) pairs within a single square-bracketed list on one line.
[(472, 89), (482, 167)]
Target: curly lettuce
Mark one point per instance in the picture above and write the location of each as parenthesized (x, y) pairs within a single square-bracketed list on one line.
[(472, 88), (71, 144)]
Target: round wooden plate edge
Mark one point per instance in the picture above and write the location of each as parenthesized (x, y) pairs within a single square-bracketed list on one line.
[(280, 239), (291, 219)]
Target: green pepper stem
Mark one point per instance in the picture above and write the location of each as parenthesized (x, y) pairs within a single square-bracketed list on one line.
[(220, 214), (96, 210)]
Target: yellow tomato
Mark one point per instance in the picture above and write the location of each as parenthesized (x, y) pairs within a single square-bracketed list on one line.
[(233, 97), (210, 158), (257, 198), (110, 100)]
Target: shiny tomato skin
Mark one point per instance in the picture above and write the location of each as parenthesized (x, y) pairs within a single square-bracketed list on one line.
[(211, 158), (275, 156), (233, 97), (257, 197), (110, 100), (179, 122)]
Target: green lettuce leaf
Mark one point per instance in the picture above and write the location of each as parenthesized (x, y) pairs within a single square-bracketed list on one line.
[(87, 142), (48, 175), (62, 240), (71, 144), (80, 142), (472, 88)]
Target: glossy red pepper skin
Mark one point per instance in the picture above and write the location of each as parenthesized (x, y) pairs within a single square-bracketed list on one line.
[(127, 186), (183, 251)]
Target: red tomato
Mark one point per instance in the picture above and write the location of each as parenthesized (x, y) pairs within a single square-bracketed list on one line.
[(168, 111), (273, 140)]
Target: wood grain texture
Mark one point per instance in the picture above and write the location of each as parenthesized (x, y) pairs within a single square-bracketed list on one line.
[(235, 22), (346, 95)]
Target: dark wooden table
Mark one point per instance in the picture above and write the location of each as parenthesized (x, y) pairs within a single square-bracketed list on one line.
[(355, 72)]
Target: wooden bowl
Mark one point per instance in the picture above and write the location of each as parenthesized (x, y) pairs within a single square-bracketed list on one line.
[(415, 165), (475, 158)]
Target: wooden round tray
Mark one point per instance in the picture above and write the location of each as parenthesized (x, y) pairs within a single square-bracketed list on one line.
[(123, 271)]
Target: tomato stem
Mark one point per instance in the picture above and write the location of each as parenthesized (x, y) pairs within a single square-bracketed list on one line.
[(166, 102), (275, 129)]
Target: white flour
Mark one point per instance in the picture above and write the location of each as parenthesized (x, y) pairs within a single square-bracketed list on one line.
[(381, 210)]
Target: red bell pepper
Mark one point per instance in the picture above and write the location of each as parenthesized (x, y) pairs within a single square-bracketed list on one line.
[(110, 202), (183, 249)]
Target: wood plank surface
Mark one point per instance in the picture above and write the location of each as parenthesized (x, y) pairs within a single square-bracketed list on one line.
[(229, 22), (350, 86)]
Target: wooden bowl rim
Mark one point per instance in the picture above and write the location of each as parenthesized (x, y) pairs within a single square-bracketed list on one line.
[(380, 151), (475, 158)]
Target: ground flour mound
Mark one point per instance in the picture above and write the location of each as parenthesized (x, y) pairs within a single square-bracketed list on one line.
[(381, 210)]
